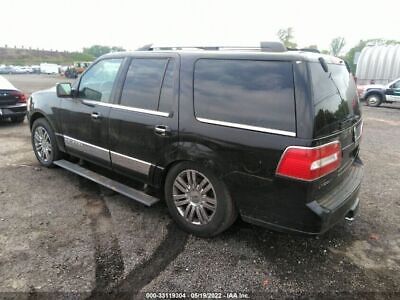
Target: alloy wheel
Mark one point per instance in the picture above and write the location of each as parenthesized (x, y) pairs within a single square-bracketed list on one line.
[(42, 143), (194, 197)]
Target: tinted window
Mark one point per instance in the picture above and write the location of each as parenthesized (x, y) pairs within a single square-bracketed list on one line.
[(143, 83), (167, 90), (396, 85), (96, 84), (335, 98), (256, 93)]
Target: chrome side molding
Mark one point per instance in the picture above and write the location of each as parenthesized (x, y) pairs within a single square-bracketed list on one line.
[(130, 163), (116, 158), (87, 148)]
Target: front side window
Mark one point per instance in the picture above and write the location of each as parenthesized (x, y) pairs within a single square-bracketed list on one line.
[(245, 92), (143, 83), (97, 83), (396, 85)]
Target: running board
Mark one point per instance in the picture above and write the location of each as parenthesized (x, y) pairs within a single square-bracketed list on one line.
[(107, 182)]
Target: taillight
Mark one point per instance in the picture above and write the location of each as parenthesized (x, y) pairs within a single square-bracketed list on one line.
[(21, 98), (310, 163)]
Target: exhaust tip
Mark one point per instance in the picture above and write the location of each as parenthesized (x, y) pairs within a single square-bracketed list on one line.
[(350, 216)]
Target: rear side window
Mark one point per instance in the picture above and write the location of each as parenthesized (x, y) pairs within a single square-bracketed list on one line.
[(335, 98), (244, 92), (143, 83)]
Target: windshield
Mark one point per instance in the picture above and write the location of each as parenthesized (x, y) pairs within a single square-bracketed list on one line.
[(336, 103)]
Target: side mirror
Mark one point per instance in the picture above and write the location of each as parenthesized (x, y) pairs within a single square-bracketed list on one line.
[(64, 90)]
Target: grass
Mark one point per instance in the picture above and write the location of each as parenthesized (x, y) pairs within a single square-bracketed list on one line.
[(14, 56)]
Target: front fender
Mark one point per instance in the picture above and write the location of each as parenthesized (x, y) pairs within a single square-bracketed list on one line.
[(46, 104)]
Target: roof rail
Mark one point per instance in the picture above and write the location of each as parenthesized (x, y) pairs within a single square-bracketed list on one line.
[(304, 49), (264, 46)]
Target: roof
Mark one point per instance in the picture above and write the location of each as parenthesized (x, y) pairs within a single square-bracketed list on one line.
[(5, 84), (238, 54)]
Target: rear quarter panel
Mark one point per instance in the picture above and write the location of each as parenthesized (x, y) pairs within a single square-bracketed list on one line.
[(245, 160)]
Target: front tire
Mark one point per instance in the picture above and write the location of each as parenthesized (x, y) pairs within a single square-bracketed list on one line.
[(198, 200), (44, 143), (374, 100)]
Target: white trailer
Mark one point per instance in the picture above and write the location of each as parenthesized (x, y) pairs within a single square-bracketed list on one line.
[(46, 68)]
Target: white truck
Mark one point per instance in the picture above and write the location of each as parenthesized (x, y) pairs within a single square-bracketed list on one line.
[(376, 94)]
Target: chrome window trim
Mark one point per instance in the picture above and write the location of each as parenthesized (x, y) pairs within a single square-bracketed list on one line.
[(247, 127), (129, 108)]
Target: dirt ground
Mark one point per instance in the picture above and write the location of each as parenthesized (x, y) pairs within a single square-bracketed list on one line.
[(64, 236)]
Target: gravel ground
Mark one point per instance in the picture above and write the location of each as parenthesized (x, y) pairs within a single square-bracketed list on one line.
[(63, 236)]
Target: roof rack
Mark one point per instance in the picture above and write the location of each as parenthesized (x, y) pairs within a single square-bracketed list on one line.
[(264, 46), (304, 49)]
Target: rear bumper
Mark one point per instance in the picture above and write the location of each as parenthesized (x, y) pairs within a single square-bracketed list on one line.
[(318, 216), (18, 110)]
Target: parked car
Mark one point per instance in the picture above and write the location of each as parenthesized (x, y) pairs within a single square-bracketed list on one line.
[(71, 72), (7, 70), (12, 102), (376, 94), (20, 70), (271, 135), (26, 70), (35, 69)]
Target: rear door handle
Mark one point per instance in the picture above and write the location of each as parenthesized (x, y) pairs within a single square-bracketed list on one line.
[(96, 115), (162, 130)]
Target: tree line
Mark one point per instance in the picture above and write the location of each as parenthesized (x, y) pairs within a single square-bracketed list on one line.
[(286, 35)]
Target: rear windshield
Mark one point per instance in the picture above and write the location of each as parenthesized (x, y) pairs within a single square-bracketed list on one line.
[(335, 98)]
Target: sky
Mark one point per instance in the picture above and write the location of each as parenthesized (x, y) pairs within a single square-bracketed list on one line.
[(73, 24)]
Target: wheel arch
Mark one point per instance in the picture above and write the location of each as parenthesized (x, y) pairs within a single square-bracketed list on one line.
[(378, 93), (160, 176), (38, 115)]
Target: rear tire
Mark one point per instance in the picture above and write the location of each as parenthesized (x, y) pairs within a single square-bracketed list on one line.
[(17, 119), (374, 100), (198, 200), (44, 143)]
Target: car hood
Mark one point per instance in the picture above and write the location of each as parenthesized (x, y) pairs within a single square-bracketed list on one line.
[(374, 86), (51, 90)]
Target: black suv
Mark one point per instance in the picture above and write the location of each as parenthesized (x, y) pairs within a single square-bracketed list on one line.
[(268, 134)]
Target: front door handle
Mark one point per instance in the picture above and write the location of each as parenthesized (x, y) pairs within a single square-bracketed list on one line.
[(96, 115), (162, 130)]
